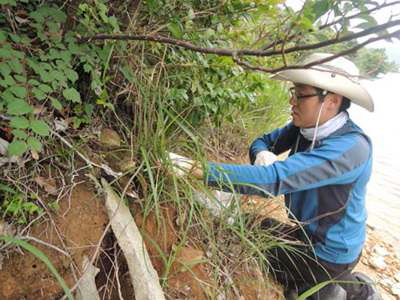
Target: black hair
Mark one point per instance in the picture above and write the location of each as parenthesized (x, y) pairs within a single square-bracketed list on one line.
[(344, 105)]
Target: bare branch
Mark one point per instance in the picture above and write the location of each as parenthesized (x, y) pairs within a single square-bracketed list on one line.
[(242, 52), (342, 53)]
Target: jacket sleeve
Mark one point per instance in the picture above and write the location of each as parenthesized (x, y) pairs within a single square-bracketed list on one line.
[(338, 160), (277, 141)]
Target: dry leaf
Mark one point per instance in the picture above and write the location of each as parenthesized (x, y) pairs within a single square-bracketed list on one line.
[(61, 125), (110, 138), (35, 155), (48, 184)]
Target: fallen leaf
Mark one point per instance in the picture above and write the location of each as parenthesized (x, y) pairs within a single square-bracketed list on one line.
[(48, 184), (35, 155), (109, 138), (61, 125)]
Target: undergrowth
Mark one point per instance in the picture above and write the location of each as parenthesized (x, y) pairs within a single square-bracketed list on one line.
[(157, 97)]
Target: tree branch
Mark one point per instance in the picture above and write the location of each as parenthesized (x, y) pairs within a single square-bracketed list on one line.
[(359, 14), (318, 62), (242, 52), (299, 34)]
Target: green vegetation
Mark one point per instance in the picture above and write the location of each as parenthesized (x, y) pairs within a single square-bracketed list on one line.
[(158, 96), (17, 206)]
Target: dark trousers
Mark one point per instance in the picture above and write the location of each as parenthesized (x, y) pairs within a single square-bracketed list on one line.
[(295, 266)]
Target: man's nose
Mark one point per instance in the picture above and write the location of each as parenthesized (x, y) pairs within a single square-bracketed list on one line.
[(292, 100)]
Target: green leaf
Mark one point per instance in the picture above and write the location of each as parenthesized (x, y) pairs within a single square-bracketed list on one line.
[(18, 107), (40, 255), (8, 81), (5, 69), (16, 66), (15, 38), (45, 88), (65, 56), (9, 2), (19, 122), (7, 189), (71, 74), (33, 82), (17, 148), (153, 5), (20, 78), (5, 53), (127, 73), (19, 134), (45, 76), (40, 127), (18, 91), (3, 36), (320, 8), (34, 144), (59, 15), (72, 95), (38, 94), (176, 29), (56, 103)]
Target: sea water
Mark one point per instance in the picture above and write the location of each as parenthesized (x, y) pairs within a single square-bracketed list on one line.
[(383, 126)]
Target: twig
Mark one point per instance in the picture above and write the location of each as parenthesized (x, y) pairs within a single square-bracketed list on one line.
[(31, 238), (318, 62)]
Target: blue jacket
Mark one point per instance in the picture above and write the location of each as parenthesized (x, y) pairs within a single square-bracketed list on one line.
[(324, 188)]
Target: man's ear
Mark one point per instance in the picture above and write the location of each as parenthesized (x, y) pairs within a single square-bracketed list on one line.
[(334, 101)]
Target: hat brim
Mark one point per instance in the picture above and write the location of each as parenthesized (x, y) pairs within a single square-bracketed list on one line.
[(336, 83)]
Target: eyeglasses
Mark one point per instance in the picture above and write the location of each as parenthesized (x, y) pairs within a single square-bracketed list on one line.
[(297, 97)]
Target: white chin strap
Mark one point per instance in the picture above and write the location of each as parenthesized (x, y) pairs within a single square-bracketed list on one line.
[(322, 131), (316, 126)]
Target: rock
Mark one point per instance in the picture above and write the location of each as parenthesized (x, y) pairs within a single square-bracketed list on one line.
[(396, 289), (48, 184), (387, 282), (380, 250), (126, 164), (7, 228), (377, 262), (109, 138), (397, 276)]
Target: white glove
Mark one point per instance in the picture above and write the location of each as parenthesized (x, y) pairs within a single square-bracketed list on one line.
[(265, 158), (180, 165), (221, 203)]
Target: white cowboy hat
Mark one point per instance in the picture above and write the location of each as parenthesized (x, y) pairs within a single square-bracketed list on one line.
[(339, 76)]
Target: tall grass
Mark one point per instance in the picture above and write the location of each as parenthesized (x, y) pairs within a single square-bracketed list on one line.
[(159, 126)]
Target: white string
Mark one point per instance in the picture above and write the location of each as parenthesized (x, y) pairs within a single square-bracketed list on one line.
[(316, 127)]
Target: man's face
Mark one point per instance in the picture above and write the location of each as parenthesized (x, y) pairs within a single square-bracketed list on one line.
[(305, 109)]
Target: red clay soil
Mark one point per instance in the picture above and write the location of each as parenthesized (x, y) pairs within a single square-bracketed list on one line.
[(81, 220)]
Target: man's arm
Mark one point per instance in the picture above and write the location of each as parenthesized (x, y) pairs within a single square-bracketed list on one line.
[(338, 161), (277, 141)]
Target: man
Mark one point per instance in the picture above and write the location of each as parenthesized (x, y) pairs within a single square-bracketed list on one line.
[(323, 179)]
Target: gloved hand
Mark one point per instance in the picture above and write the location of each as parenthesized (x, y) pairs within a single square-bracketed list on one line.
[(181, 165), (265, 158)]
